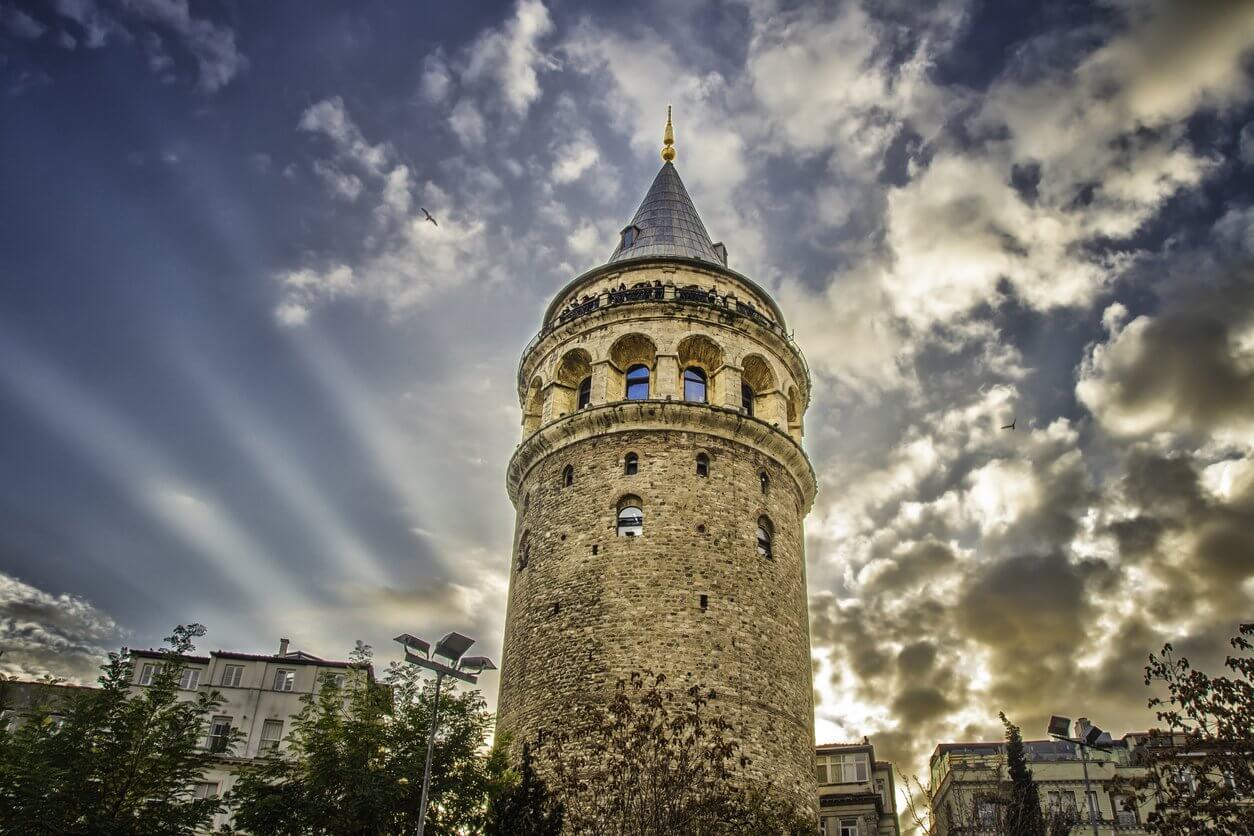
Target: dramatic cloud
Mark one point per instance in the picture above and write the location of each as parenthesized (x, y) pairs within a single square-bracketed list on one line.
[(54, 635)]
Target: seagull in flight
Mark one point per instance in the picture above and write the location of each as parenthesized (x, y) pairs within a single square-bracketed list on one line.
[(428, 214), (1011, 425)]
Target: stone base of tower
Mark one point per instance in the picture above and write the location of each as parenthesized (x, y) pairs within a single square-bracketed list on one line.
[(691, 597)]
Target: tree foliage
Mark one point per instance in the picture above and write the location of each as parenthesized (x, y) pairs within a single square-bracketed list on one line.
[(1201, 761), (1023, 801), (110, 760), (525, 806), (353, 763), (649, 763)]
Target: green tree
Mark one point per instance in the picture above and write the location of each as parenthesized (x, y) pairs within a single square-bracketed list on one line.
[(1023, 802), (650, 763), (111, 760), (1201, 763), (353, 762), (524, 807)]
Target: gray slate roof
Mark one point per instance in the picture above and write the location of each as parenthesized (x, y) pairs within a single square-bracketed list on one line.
[(669, 223)]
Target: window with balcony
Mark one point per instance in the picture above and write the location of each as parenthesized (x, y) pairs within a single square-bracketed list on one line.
[(746, 399), (271, 734), (284, 680), (232, 676), (585, 392)]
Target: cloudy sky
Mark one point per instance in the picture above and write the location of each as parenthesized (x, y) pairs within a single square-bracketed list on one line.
[(242, 383)]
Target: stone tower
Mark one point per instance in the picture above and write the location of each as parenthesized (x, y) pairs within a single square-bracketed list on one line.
[(660, 489)]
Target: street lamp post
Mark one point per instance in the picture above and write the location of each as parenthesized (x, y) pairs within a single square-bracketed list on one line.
[(1058, 728), (458, 665)]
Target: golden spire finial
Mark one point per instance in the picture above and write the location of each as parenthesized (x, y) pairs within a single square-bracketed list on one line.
[(668, 138)]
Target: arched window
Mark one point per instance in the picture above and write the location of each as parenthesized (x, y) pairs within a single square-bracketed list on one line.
[(524, 551), (638, 382), (585, 392), (568, 476), (765, 482), (746, 399), (703, 465), (631, 463), (694, 384), (766, 536), (630, 517)]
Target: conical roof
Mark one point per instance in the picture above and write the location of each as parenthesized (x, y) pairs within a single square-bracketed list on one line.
[(668, 224)]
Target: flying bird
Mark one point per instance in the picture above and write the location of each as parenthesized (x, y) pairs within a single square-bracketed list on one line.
[(428, 214), (1011, 425)]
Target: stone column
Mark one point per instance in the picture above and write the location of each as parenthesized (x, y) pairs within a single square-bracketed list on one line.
[(666, 378)]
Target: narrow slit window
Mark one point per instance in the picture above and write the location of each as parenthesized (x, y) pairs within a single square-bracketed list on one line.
[(766, 538), (695, 384), (746, 399), (703, 465), (524, 551), (764, 482), (631, 464), (585, 392), (638, 382), (568, 476)]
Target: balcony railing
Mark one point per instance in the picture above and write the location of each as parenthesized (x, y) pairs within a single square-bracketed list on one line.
[(691, 295)]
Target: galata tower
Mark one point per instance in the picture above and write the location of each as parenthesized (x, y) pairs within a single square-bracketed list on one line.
[(660, 489)]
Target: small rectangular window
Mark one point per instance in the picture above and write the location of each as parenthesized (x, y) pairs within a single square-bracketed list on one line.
[(705, 602), (335, 680), (284, 680), (205, 789), (147, 673), (271, 734), (189, 679), (232, 675)]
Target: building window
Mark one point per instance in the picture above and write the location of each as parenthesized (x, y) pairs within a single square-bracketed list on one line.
[(986, 813), (524, 551), (334, 680), (703, 465), (694, 384), (766, 537), (843, 769), (219, 734), (638, 382), (764, 482), (585, 392), (1125, 809), (1062, 801), (205, 789), (568, 476), (849, 827), (147, 673), (630, 517), (629, 237), (284, 680), (271, 734), (232, 675), (631, 464), (189, 679), (746, 399)]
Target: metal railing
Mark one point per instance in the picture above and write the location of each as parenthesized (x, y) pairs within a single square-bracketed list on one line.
[(690, 294)]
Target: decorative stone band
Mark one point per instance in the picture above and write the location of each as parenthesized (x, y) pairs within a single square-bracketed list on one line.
[(664, 416)]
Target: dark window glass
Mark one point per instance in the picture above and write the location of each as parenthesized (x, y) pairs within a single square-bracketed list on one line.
[(629, 236), (694, 384), (703, 464), (568, 476), (746, 398), (585, 392), (765, 537), (631, 463), (638, 382), (764, 481)]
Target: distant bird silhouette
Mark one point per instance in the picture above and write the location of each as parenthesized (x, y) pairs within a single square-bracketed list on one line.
[(1011, 425), (428, 214)]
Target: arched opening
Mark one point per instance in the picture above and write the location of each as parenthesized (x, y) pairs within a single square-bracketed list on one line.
[(533, 409), (703, 465), (524, 550), (764, 482), (746, 399), (695, 385), (766, 538), (630, 516), (631, 464), (568, 476), (585, 392), (793, 413), (574, 368), (637, 383), (756, 374)]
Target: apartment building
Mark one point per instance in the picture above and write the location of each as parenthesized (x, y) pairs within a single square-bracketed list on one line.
[(261, 695), (857, 793), (969, 779)]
